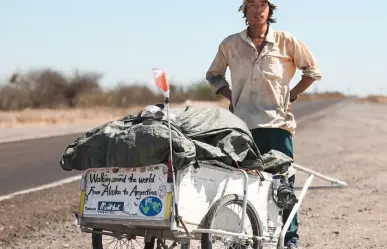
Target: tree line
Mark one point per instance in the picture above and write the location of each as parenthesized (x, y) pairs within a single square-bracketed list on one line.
[(48, 88)]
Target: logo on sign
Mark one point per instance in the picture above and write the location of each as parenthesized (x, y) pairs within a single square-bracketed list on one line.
[(150, 206), (162, 191), (110, 206), (90, 209)]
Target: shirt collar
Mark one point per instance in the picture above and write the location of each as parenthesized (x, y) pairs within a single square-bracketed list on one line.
[(269, 37)]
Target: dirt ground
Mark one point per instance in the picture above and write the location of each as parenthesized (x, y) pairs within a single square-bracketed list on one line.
[(348, 144)]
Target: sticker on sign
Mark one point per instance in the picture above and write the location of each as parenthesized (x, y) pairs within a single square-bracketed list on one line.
[(126, 193)]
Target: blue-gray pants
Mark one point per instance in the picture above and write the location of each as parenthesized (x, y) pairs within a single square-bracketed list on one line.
[(278, 139)]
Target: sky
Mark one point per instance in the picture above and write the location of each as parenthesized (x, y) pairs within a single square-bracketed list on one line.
[(125, 39)]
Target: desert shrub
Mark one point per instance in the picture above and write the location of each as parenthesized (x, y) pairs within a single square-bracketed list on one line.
[(48, 88), (202, 91)]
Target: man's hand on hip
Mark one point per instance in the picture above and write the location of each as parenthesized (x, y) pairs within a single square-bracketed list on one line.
[(293, 96), (231, 107), (304, 84), (226, 92)]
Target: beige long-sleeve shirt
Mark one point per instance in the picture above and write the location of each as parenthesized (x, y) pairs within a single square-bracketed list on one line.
[(260, 82)]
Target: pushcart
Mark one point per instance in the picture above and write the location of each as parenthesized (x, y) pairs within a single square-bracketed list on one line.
[(152, 206)]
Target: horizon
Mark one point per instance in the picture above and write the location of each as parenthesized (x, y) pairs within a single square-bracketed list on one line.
[(124, 40)]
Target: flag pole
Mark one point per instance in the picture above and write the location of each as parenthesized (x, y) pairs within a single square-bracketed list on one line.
[(162, 83), (171, 171)]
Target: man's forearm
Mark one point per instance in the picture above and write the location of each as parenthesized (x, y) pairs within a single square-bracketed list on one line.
[(302, 86)]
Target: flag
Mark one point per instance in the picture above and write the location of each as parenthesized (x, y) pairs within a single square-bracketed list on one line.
[(161, 80)]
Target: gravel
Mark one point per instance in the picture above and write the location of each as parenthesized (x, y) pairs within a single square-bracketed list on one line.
[(347, 144)]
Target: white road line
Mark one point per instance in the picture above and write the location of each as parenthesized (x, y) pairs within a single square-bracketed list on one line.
[(78, 177), (60, 131), (46, 135), (42, 187)]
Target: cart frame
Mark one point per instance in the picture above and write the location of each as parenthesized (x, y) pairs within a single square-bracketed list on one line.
[(186, 236)]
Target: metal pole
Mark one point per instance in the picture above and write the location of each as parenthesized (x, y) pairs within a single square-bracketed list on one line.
[(174, 204), (293, 212), (319, 188), (245, 190), (318, 175)]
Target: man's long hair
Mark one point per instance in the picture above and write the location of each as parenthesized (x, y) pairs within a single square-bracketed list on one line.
[(272, 8)]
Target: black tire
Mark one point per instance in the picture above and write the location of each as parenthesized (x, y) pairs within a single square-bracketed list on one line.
[(96, 240), (206, 239)]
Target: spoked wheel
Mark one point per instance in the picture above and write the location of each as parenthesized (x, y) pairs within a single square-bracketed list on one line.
[(226, 215), (100, 241)]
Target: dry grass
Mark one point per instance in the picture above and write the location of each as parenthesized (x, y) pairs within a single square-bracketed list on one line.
[(375, 99), (93, 115), (61, 116), (320, 96), (68, 116)]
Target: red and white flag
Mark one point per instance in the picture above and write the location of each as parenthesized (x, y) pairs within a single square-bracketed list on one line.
[(161, 80)]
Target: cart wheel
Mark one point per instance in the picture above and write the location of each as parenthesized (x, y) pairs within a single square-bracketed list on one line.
[(220, 216), (100, 241)]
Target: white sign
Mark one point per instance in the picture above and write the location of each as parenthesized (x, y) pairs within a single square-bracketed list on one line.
[(128, 193)]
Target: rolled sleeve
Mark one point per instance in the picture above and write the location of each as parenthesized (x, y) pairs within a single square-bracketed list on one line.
[(304, 60), (313, 72), (216, 73)]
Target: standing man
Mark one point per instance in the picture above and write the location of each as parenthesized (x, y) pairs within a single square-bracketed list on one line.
[(262, 63)]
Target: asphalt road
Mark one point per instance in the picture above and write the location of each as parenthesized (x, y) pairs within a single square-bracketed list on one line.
[(31, 163)]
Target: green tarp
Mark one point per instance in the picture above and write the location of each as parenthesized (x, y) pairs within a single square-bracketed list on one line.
[(199, 133)]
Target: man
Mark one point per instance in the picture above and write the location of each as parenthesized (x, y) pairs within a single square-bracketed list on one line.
[(262, 63)]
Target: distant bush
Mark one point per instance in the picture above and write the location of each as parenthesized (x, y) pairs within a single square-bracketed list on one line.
[(47, 88)]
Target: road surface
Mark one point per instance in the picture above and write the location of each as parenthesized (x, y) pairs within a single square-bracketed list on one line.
[(31, 163)]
